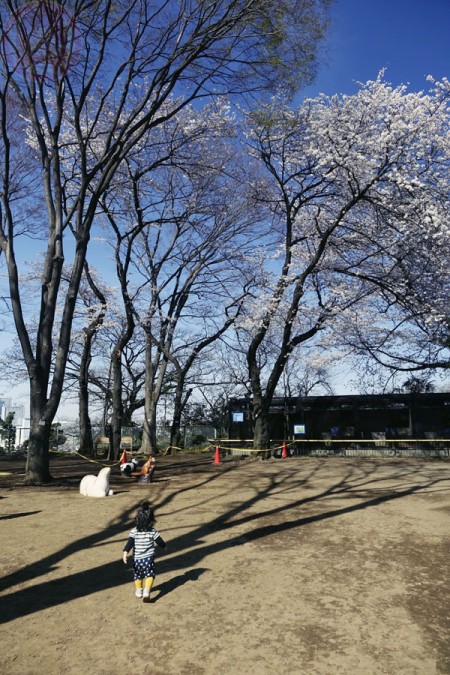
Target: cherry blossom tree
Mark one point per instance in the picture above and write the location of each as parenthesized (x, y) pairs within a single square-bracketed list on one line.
[(405, 326), (357, 190)]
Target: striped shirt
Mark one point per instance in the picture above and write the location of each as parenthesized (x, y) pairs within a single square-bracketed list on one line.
[(143, 543)]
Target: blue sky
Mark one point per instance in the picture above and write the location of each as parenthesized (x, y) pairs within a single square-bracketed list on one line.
[(410, 38)]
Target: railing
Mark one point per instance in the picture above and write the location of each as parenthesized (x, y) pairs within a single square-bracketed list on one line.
[(319, 447)]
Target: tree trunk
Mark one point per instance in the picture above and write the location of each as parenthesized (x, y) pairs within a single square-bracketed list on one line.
[(149, 442), (107, 403), (38, 461), (179, 405), (261, 435), (261, 401), (116, 372), (38, 465), (176, 441), (152, 393), (117, 406), (86, 441)]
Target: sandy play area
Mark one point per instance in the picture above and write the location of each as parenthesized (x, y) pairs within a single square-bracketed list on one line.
[(298, 566)]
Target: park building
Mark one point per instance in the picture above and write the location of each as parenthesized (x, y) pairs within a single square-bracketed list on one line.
[(390, 420)]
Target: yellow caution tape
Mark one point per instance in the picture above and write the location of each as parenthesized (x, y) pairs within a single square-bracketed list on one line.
[(88, 459)]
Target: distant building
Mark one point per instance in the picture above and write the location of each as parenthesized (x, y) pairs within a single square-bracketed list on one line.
[(21, 422)]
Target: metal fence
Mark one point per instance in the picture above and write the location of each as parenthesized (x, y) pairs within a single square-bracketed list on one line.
[(424, 448)]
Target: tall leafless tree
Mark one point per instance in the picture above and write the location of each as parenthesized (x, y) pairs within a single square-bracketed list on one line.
[(91, 79)]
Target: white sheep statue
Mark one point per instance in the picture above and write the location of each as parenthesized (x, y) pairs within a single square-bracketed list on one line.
[(96, 486)]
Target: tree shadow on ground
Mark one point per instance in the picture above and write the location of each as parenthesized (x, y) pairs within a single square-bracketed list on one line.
[(56, 591), (47, 564), (10, 516), (351, 486), (360, 483)]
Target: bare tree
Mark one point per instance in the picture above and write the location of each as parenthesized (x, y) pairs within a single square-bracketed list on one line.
[(185, 230), (91, 79), (96, 315)]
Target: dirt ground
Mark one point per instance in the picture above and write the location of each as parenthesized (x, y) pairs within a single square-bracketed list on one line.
[(287, 566)]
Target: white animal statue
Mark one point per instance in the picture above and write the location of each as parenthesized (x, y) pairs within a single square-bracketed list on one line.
[(96, 486)]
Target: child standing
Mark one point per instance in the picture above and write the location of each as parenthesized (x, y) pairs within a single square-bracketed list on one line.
[(142, 540)]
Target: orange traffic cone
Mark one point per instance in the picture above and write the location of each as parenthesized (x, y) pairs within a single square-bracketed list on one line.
[(284, 452), (217, 455), (123, 459)]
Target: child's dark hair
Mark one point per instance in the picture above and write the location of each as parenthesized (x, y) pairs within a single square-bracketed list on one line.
[(145, 517)]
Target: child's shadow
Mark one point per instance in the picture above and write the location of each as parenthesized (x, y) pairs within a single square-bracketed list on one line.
[(176, 582)]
